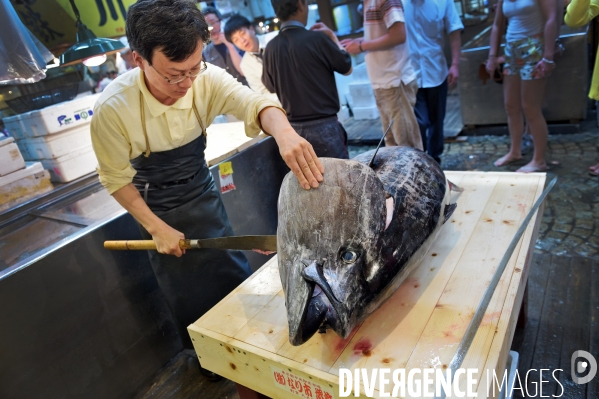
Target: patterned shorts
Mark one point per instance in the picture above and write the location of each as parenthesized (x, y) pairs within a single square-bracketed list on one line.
[(521, 57)]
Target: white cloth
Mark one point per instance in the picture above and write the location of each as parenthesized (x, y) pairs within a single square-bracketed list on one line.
[(524, 19), (386, 68), (252, 67), (427, 22)]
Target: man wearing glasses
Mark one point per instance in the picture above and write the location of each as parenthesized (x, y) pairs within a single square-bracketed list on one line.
[(220, 51), (148, 134)]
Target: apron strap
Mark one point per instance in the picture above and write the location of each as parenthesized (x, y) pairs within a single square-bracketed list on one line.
[(143, 125), (143, 122)]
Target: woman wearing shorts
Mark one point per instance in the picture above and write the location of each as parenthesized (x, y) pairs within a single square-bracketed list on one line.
[(530, 43)]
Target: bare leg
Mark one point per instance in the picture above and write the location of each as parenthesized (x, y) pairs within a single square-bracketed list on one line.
[(532, 99), (515, 121)]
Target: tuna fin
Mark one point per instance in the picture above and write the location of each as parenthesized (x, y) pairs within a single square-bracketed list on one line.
[(449, 211), (453, 187), (380, 142)]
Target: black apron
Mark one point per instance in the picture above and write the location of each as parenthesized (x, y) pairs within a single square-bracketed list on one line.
[(178, 187)]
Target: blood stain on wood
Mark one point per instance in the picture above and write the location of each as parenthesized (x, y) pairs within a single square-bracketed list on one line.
[(363, 347), (387, 360)]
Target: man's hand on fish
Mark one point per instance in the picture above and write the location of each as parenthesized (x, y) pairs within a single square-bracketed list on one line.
[(297, 153)]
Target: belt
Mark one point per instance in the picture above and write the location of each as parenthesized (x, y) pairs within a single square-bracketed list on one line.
[(146, 185)]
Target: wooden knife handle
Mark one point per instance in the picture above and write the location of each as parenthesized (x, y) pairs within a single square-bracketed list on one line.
[(128, 245)]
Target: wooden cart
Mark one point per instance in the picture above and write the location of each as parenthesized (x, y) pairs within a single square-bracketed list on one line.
[(244, 337)]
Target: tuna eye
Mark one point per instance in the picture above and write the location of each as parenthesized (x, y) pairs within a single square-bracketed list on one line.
[(349, 256)]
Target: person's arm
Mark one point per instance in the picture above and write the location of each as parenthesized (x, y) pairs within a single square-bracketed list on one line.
[(297, 153), (499, 24), (581, 12), (112, 149), (549, 11), (337, 56), (226, 96), (394, 36), (233, 53), (455, 42), (165, 237)]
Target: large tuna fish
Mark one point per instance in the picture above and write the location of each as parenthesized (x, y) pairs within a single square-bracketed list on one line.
[(345, 247)]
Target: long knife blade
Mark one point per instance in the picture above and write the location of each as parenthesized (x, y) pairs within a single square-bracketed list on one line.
[(248, 243)]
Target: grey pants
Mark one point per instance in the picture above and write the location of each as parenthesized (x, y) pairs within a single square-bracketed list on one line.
[(327, 136)]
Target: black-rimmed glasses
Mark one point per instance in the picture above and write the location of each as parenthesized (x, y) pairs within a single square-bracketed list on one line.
[(181, 78)]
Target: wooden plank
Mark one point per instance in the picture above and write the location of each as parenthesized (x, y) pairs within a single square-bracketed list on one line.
[(551, 328), (577, 326), (417, 327), (593, 385), (231, 314), (503, 333), (251, 366), (455, 308)]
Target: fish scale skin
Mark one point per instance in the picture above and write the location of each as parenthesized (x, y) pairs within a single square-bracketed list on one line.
[(348, 211)]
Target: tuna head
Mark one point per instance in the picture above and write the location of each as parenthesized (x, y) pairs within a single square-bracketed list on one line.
[(326, 239)]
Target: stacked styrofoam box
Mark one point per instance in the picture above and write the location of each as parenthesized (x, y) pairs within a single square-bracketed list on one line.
[(343, 114), (14, 126), (360, 90), (11, 159), (59, 137)]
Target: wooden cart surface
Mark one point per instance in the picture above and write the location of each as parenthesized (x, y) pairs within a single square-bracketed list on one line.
[(245, 336)]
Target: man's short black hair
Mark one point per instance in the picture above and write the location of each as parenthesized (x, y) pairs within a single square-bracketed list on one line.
[(285, 8), (235, 23), (212, 10), (172, 26)]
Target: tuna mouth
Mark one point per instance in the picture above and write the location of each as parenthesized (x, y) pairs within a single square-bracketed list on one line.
[(322, 309)]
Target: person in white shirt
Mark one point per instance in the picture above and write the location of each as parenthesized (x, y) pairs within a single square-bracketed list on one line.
[(389, 68), (240, 32), (427, 23)]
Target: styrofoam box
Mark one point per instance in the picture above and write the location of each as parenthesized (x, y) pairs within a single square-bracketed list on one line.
[(56, 145), (14, 125), (361, 93), (359, 73), (31, 168), (71, 166), (343, 114), (11, 159), (59, 117), (361, 113)]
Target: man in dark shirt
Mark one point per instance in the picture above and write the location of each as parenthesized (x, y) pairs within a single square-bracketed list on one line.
[(220, 51), (299, 66)]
